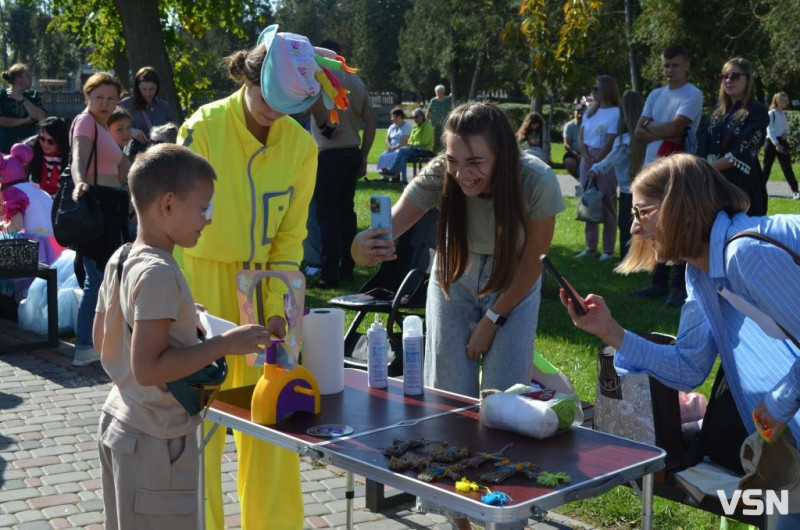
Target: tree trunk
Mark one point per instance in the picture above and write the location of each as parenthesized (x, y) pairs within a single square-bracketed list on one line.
[(144, 39), (634, 69), (548, 125), (123, 69), (473, 86)]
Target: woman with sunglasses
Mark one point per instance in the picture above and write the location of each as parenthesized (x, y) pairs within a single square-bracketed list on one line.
[(50, 154), (595, 140), (735, 132), (742, 294)]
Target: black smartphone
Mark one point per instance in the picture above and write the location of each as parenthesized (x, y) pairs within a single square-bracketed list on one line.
[(576, 305)]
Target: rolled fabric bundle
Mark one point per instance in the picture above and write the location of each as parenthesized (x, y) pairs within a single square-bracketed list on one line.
[(519, 414)]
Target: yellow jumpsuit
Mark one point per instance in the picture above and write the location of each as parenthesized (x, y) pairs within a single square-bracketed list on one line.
[(260, 208)]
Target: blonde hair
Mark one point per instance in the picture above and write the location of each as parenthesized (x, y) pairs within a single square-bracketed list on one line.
[(775, 98), (725, 101), (99, 79), (691, 192), (608, 85), (14, 71), (631, 112)]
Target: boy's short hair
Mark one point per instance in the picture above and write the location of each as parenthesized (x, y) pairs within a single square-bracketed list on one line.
[(166, 168), (675, 50), (119, 113)]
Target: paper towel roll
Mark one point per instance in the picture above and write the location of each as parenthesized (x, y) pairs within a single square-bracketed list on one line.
[(323, 348)]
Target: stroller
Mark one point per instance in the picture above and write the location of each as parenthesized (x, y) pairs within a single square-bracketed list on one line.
[(396, 288)]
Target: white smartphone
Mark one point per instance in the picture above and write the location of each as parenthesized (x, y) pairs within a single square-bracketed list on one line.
[(380, 214)]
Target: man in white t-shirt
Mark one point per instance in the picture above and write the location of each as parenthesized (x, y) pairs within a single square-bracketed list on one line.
[(670, 113)]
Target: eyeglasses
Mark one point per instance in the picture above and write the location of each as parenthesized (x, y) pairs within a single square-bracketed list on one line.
[(646, 211), (595, 88), (46, 140), (732, 77)]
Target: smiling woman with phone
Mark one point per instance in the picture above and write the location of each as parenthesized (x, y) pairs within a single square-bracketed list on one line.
[(497, 213), (742, 293)]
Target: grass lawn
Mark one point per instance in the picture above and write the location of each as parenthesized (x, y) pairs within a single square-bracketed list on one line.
[(573, 351)]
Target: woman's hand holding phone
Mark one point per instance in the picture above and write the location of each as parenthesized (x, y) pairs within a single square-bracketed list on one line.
[(597, 320)]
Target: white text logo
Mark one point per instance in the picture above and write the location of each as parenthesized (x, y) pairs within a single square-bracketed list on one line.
[(753, 504)]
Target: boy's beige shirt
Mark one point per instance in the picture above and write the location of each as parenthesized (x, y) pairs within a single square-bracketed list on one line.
[(153, 288)]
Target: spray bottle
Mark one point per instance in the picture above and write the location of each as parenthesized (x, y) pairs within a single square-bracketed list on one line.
[(377, 371), (413, 346)]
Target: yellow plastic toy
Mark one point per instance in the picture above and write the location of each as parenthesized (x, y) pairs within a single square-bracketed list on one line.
[(284, 387), (280, 392)]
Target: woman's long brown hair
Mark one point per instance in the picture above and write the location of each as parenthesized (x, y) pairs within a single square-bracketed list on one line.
[(489, 122)]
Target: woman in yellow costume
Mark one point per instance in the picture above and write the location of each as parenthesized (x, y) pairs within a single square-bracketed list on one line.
[(266, 165)]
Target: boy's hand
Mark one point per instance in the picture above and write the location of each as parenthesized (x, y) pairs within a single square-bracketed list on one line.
[(245, 339)]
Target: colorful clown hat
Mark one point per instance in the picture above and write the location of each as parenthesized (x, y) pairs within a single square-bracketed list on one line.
[(294, 73)]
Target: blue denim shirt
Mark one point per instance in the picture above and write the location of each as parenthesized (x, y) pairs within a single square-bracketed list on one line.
[(757, 366)]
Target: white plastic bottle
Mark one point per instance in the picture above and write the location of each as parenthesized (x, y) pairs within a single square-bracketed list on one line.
[(377, 371), (413, 346)]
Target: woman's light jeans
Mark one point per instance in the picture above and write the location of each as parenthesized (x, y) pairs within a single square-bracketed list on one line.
[(450, 322)]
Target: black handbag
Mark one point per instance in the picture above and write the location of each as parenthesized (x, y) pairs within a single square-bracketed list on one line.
[(76, 222), (196, 391)]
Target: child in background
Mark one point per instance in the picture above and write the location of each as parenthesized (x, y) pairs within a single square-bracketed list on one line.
[(119, 125), (145, 331)]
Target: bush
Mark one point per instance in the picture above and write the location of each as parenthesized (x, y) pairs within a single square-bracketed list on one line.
[(793, 117)]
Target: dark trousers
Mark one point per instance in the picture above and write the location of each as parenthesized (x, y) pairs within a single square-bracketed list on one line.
[(784, 159), (670, 276), (337, 173), (624, 222)]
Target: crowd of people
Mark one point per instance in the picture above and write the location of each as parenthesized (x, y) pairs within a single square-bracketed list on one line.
[(676, 190)]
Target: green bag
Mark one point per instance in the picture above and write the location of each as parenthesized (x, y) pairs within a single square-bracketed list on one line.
[(196, 391)]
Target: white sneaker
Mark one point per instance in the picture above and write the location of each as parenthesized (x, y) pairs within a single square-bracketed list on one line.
[(796, 195), (85, 356), (605, 256)]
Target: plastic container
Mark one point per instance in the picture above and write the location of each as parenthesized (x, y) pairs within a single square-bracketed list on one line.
[(413, 346), (377, 371)]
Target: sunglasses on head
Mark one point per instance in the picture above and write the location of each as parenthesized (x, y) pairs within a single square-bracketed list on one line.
[(732, 77), (46, 140), (643, 211)]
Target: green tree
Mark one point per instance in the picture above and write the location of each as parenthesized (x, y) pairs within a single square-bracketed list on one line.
[(376, 26), (552, 35), (167, 35), (466, 50)]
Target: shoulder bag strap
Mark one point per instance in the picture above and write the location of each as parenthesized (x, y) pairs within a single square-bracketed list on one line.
[(767, 239), (93, 153), (123, 257), (147, 121)]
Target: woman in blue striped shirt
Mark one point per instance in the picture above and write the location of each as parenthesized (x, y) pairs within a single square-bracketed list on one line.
[(742, 295)]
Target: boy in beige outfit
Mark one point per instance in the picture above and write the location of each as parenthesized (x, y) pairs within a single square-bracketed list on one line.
[(146, 332)]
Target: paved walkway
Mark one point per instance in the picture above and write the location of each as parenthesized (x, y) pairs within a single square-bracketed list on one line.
[(49, 467)]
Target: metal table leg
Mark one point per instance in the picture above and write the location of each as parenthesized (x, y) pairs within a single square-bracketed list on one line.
[(349, 493), (647, 502)]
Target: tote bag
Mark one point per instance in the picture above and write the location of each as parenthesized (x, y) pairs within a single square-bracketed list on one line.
[(81, 221), (590, 203)]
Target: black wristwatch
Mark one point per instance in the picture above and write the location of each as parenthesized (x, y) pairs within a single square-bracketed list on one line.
[(497, 319)]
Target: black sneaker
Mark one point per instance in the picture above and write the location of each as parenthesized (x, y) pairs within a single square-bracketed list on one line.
[(651, 291), (677, 296)]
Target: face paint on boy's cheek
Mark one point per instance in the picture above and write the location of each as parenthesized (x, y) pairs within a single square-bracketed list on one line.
[(208, 214)]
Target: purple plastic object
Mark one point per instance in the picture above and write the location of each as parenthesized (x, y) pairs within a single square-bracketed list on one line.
[(290, 401), (272, 351)]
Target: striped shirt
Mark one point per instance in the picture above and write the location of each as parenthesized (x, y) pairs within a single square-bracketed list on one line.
[(757, 366)]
